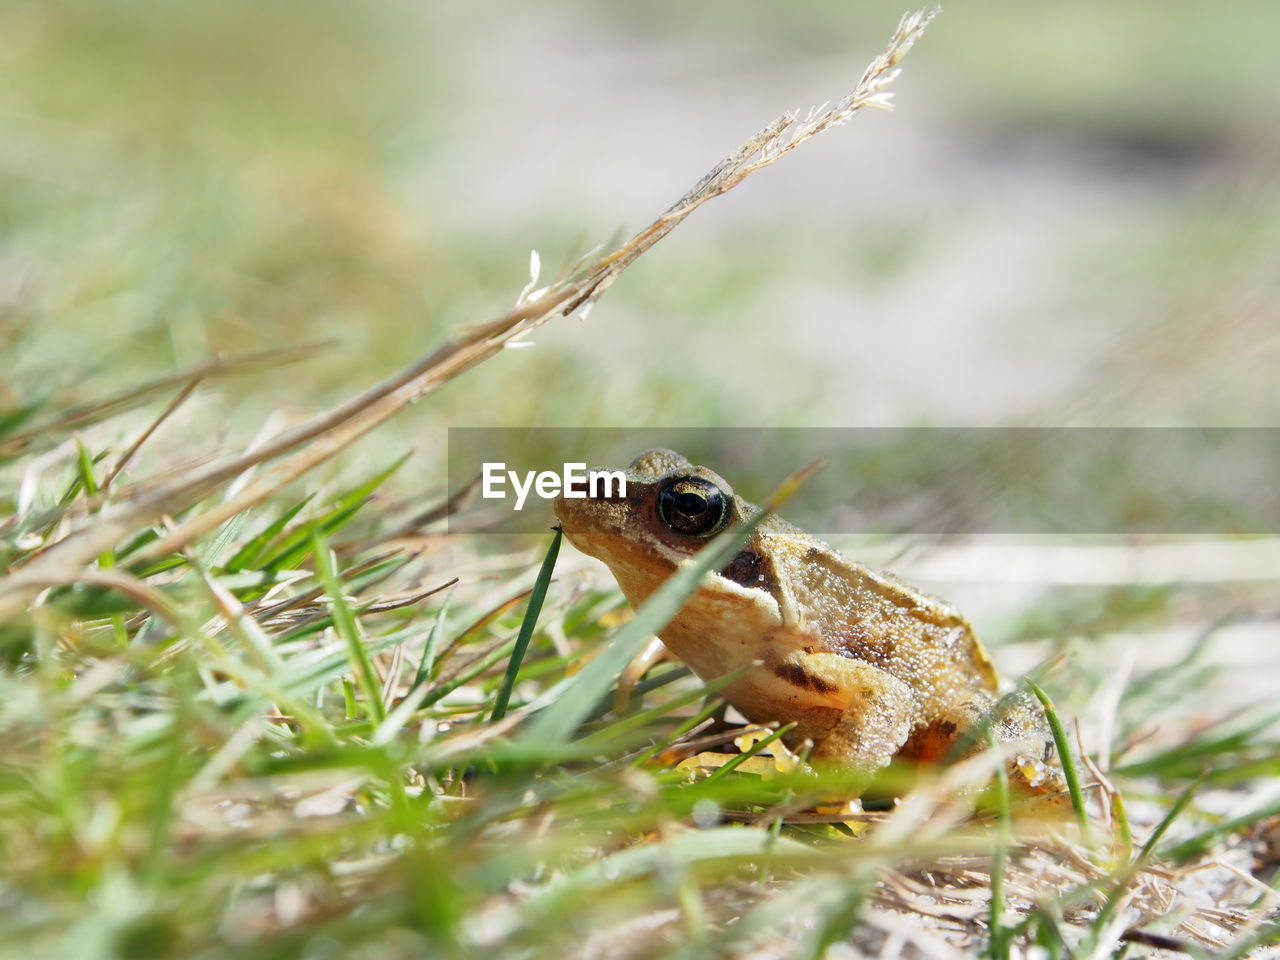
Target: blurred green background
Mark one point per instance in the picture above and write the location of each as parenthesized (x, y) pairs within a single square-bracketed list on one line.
[(1072, 218)]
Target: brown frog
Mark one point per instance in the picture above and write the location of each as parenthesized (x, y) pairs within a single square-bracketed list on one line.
[(867, 667)]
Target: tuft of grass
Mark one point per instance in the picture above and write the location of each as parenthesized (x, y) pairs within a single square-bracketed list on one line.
[(311, 754)]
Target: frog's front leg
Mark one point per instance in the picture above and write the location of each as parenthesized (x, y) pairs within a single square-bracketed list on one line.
[(876, 709), (653, 654)]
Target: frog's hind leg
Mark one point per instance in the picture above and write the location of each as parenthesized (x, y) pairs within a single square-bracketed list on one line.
[(953, 731), (877, 709), (1016, 724)]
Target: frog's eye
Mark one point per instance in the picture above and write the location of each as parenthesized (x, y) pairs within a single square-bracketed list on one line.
[(693, 506)]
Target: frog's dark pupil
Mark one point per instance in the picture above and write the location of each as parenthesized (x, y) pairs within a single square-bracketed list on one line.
[(690, 503), (693, 507)]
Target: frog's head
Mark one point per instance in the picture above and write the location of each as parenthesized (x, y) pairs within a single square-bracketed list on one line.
[(670, 510)]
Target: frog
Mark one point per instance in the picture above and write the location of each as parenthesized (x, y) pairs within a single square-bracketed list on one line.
[(862, 668)]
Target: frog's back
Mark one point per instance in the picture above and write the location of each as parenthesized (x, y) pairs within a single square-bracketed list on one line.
[(873, 617)]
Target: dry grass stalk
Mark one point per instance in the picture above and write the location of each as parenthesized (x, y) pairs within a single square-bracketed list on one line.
[(91, 413), (326, 435)]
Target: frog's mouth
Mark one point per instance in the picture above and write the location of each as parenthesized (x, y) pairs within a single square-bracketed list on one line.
[(631, 562), (641, 567)]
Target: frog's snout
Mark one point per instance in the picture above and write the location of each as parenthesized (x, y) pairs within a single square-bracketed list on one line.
[(580, 511)]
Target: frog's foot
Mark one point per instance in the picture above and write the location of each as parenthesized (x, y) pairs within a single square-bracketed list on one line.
[(640, 664), (1039, 788), (1020, 731), (1035, 772)]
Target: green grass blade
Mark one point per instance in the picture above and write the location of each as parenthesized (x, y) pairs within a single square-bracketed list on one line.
[(618, 730), (345, 623), (998, 936), (1125, 832), (294, 547), (1206, 838), (1167, 821), (539, 594), (225, 536), (254, 548), (841, 917), (299, 679), (710, 707), (746, 755), (11, 420), (250, 632), (648, 685), (84, 478), (1065, 756), (398, 717), (1190, 758), (428, 662), (84, 466), (473, 670)]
